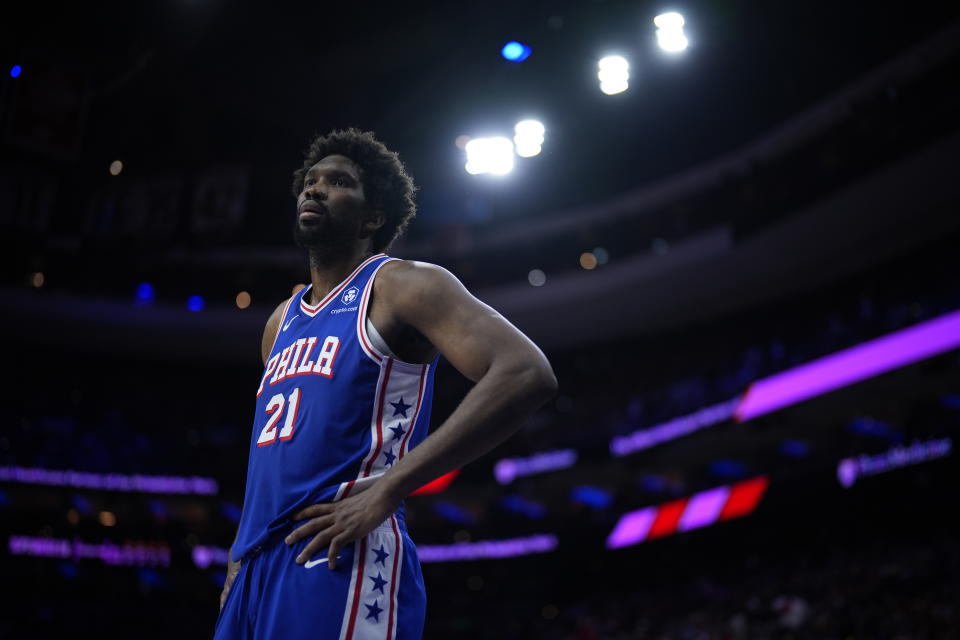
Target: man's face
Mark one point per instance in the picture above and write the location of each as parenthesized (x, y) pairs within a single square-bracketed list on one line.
[(331, 208)]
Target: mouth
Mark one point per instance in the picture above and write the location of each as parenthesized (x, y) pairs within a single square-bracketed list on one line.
[(311, 212), (311, 206)]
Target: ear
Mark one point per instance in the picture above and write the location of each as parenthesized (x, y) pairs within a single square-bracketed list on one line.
[(373, 220)]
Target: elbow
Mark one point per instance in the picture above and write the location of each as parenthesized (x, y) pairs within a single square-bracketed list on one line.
[(542, 383), (550, 386)]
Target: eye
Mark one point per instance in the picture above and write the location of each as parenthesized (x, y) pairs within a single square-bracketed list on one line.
[(308, 182), (340, 182)]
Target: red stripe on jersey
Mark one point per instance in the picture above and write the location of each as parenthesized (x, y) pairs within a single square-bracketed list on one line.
[(356, 592), (393, 577), (362, 322), (413, 423), (380, 401)]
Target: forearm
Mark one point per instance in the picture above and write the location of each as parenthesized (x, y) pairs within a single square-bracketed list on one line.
[(491, 412)]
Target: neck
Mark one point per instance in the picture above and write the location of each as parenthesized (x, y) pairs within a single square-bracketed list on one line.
[(328, 270)]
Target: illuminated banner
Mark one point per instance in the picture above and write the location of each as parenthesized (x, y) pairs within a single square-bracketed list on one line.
[(508, 469), (129, 554), (699, 510), (646, 438), (851, 365), (110, 481), (204, 556), (849, 469), (483, 549)]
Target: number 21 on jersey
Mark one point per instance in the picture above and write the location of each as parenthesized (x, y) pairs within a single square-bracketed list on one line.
[(275, 409)]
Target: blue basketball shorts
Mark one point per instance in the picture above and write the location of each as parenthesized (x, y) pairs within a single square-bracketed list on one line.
[(375, 592)]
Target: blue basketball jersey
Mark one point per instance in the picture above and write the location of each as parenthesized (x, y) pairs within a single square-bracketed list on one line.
[(333, 413)]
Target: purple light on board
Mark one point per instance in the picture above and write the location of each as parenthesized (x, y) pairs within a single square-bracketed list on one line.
[(508, 469), (851, 365), (632, 528), (128, 554), (673, 429), (487, 549), (204, 556), (704, 508), (110, 481)]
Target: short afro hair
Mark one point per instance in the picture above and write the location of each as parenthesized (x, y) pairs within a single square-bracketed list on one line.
[(387, 186)]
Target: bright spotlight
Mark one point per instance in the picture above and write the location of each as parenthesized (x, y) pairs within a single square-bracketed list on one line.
[(528, 137), (515, 51), (614, 74), (670, 34), (15, 71), (195, 303), (528, 150), (669, 20), (489, 155)]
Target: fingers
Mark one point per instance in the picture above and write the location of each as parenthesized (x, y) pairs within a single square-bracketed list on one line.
[(223, 595), (319, 542), (314, 526), (314, 510), (231, 576), (335, 545)]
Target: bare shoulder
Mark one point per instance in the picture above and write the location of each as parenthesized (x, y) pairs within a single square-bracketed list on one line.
[(270, 330), (414, 282)]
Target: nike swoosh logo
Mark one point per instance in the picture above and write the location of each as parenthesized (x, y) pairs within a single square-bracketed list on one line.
[(290, 321), (309, 564)]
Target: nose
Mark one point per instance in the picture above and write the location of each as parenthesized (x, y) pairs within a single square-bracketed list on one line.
[(315, 192)]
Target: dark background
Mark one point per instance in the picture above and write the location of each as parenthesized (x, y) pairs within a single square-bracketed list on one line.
[(784, 189)]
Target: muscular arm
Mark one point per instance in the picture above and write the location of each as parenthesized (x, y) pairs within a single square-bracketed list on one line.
[(513, 378)]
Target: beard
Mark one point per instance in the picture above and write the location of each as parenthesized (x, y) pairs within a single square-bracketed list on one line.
[(324, 235)]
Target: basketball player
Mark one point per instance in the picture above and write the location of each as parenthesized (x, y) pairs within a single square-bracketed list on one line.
[(339, 435)]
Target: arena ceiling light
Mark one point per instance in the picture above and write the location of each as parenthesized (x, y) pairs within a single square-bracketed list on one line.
[(489, 155), (670, 34), (528, 138), (614, 74)]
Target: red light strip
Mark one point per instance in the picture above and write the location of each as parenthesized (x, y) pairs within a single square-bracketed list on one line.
[(438, 485), (699, 510)]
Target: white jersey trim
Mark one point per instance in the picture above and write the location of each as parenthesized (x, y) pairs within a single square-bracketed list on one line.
[(312, 310), (283, 316), (372, 601), (377, 341)]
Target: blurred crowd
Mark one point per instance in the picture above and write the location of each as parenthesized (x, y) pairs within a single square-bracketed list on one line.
[(883, 592)]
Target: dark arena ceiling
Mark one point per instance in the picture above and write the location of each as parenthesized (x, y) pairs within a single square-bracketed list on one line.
[(172, 86)]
